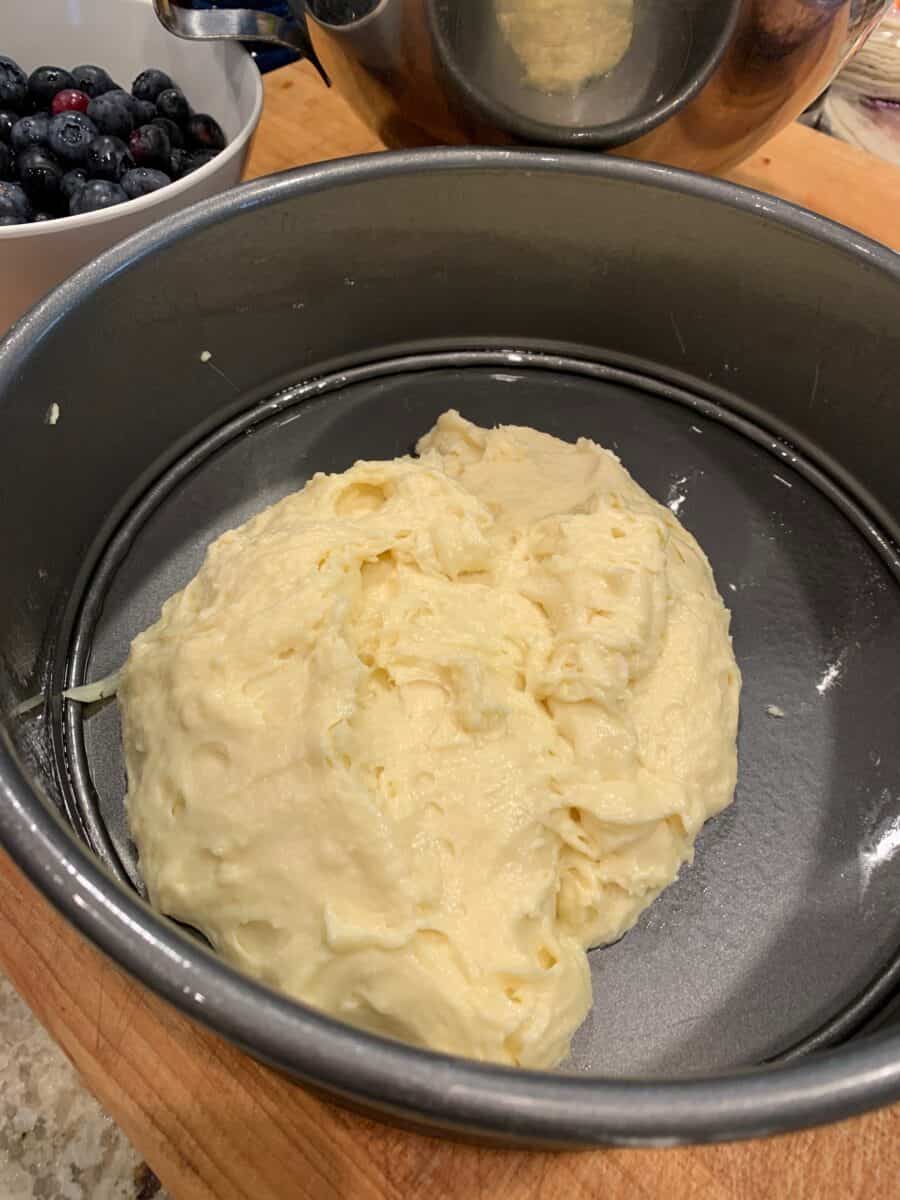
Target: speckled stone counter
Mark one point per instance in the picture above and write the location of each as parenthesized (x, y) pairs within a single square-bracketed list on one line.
[(56, 1143)]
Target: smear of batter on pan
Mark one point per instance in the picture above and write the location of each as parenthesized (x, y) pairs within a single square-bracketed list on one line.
[(561, 44), (831, 675), (882, 845), (676, 496)]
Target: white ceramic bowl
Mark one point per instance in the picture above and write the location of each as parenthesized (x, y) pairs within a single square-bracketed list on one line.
[(123, 36)]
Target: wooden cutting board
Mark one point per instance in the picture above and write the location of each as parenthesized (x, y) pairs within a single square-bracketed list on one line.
[(214, 1124), (303, 123)]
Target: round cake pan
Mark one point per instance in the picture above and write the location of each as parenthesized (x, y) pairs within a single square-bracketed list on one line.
[(738, 354)]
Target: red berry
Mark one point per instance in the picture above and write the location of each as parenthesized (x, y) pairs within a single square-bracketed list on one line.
[(70, 100)]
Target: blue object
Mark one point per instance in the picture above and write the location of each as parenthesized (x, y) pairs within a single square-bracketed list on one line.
[(141, 181), (68, 135), (96, 194), (266, 56)]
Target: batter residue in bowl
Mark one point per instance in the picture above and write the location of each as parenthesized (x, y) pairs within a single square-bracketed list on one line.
[(561, 44), (419, 735)]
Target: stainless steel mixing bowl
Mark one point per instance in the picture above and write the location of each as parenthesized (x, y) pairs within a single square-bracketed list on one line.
[(702, 84)]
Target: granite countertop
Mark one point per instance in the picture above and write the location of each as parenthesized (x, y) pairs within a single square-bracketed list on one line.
[(56, 1142)]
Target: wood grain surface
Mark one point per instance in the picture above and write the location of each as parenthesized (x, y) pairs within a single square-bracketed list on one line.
[(304, 122), (214, 1124)]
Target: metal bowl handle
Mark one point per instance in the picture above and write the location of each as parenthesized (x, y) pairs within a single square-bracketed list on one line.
[(239, 25)]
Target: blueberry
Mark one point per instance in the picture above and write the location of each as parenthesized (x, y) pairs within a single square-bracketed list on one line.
[(110, 116), (6, 163), (40, 175), (96, 194), (141, 181), (172, 104), (150, 146), (69, 136), (199, 158), (107, 158), (13, 85), (175, 136), (144, 112), (205, 133), (177, 163), (72, 181), (150, 83), (7, 120), (30, 131), (42, 216), (14, 202), (4, 221), (91, 79), (44, 83), (120, 96)]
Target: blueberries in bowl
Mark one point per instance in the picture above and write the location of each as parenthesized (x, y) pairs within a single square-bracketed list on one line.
[(177, 163), (205, 132), (150, 146), (141, 181), (122, 97), (107, 158), (13, 85), (68, 136), (44, 83), (74, 142), (30, 131), (172, 104), (71, 182), (94, 81), (175, 132), (196, 160), (96, 194), (7, 120), (150, 83), (40, 176), (15, 206), (111, 116), (144, 112)]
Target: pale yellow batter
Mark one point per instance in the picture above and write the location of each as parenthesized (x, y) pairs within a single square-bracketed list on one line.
[(561, 44), (418, 735)]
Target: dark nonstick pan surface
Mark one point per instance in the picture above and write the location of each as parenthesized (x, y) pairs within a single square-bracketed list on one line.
[(683, 346), (786, 918)]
